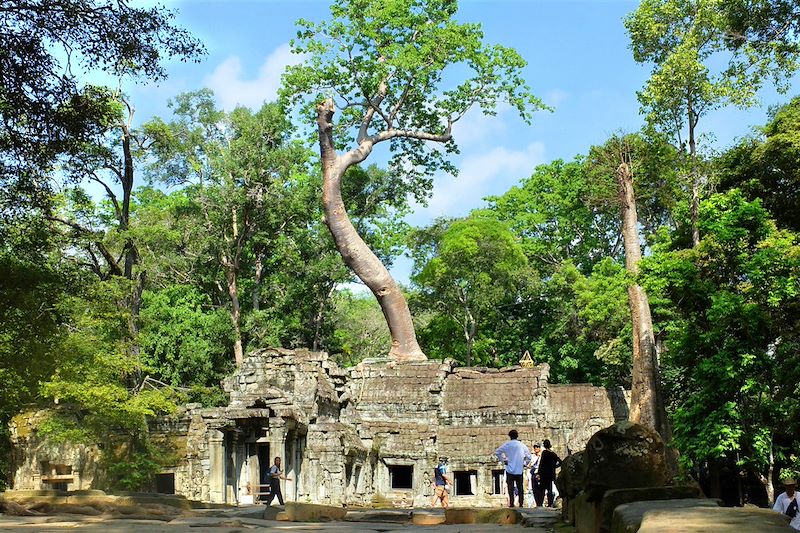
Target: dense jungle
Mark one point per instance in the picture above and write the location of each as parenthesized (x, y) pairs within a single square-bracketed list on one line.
[(141, 260)]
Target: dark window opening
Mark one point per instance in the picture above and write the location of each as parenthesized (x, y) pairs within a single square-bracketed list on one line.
[(264, 464), (498, 478), (400, 476), (59, 485), (465, 481), (165, 483)]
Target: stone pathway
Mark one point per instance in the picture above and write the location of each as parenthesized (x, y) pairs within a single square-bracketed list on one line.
[(241, 521)]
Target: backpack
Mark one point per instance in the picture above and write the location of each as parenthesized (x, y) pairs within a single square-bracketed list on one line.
[(791, 511)]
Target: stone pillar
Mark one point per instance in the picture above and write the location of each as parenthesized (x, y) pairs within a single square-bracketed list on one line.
[(216, 465), (294, 473), (277, 447)]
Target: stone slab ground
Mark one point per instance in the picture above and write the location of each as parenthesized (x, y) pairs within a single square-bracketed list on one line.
[(714, 520), (63, 524)]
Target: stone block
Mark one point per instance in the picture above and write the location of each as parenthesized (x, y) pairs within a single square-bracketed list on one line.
[(398, 516), (572, 476), (587, 514), (271, 512), (714, 520), (144, 498), (282, 516), (421, 518), (462, 515), (624, 455), (613, 498), (628, 516), (312, 512)]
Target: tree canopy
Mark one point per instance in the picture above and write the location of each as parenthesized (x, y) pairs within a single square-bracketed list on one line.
[(46, 110)]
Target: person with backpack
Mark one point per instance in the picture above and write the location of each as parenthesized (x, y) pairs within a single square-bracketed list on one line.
[(787, 502), (441, 492)]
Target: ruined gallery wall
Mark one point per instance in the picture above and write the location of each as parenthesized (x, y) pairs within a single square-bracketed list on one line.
[(413, 414), (345, 435)]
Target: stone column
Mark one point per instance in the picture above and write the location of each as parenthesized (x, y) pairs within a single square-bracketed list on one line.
[(291, 486), (216, 465), (277, 447)]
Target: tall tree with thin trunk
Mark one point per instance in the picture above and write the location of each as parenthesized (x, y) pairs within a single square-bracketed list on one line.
[(240, 168), (620, 157), (685, 40), (402, 72)]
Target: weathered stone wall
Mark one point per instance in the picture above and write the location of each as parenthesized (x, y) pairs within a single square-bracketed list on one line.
[(369, 433), (40, 463)]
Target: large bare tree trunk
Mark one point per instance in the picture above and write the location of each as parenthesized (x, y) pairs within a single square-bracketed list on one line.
[(355, 252), (647, 402)]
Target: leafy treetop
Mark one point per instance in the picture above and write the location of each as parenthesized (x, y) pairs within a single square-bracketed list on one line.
[(707, 53), (403, 71)]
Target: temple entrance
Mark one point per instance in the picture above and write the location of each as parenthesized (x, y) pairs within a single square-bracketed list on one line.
[(264, 464)]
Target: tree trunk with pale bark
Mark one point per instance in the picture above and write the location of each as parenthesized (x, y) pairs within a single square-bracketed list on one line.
[(355, 252), (235, 312), (647, 401)]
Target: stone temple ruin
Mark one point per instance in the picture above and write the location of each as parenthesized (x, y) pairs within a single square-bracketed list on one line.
[(370, 434)]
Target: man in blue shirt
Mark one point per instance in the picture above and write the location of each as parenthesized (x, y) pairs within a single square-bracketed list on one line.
[(440, 483), (516, 457)]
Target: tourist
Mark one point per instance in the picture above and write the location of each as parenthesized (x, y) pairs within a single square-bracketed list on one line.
[(275, 477), (516, 456), (536, 486), (441, 490), (787, 502), (547, 472)]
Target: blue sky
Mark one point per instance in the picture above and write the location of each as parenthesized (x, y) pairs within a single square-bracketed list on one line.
[(578, 62)]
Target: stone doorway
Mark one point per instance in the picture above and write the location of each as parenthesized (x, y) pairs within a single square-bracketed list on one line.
[(261, 470)]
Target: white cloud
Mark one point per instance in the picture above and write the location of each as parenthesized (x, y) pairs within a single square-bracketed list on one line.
[(475, 128), (484, 174), (554, 97), (228, 83)]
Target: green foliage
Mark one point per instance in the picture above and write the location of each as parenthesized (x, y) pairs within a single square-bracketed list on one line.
[(97, 376), (551, 214), (184, 339), (729, 310), (767, 165), (466, 270), (411, 63), (45, 111), (359, 328), (33, 322), (582, 326), (683, 38)]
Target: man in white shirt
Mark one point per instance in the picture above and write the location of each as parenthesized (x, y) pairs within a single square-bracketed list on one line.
[(516, 457), (787, 503)]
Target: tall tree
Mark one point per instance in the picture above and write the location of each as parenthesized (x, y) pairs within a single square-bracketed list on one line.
[(732, 309), (475, 265), (685, 40), (623, 156), (384, 63), (240, 166), (44, 110), (107, 159)]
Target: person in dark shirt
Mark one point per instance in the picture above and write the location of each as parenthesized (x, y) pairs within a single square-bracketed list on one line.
[(275, 476), (547, 471), (440, 483)]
